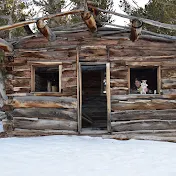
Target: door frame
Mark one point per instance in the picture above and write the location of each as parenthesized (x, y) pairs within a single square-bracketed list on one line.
[(79, 92)]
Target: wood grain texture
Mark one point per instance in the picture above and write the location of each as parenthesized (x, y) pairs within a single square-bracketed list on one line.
[(129, 115), (134, 125), (42, 124), (44, 102)]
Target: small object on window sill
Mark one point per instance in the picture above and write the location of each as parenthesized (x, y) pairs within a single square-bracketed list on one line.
[(49, 86), (161, 92), (54, 89)]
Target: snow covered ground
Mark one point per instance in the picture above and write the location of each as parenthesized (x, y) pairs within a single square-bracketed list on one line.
[(85, 156)]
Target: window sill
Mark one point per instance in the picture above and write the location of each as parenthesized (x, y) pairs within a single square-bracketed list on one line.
[(46, 93)]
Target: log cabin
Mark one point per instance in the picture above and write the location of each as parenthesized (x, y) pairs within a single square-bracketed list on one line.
[(79, 83)]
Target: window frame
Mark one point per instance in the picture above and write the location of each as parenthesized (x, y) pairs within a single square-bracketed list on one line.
[(157, 66), (45, 64)]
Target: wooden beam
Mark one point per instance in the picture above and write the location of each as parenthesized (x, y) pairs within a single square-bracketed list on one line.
[(108, 94), (7, 47), (78, 93), (147, 21), (24, 23), (120, 27), (45, 30)]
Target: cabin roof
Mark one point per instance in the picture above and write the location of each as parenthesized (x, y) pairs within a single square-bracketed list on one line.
[(107, 31)]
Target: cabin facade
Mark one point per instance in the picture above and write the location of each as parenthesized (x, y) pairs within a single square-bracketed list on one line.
[(82, 84)]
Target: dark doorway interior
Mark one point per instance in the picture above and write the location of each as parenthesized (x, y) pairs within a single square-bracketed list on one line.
[(94, 101)]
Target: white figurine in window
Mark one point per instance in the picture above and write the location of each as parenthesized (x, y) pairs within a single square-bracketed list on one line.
[(144, 86)]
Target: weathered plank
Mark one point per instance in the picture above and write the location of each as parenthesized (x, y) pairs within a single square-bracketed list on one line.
[(143, 97), (42, 124), (44, 102), (20, 82), (169, 85), (119, 83), (69, 82), (134, 125), (22, 89), (119, 91), (44, 113), (141, 137), (119, 74), (26, 132), (168, 73), (143, 115), (144, 105)]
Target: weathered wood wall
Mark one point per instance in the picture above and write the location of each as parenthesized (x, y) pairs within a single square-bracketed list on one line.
[(137, 112), (51, 111)]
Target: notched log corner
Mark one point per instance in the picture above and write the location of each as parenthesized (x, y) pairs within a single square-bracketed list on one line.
[(7, 125), (45, 30), (89, 21), (4, 45), (136, 28)]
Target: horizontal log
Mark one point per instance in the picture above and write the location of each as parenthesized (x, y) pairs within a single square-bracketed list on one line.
[(20, 82), (143, 97), (22, 89), (26, 132), (68, 73), (69, 82), (134, 125), (42, 124), (168, 86), (24, 23), (155, 57), (92, 51), (52, 94), (44, 113), (116, 83), (44, 54), (169, 91), (143, 115), (21, 73), (151, 105), (117, 91), (168, 73), (95, 59), (44, 102), (150, 137), (118, 74), (167, 133), (25, 118), (171, 80)]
